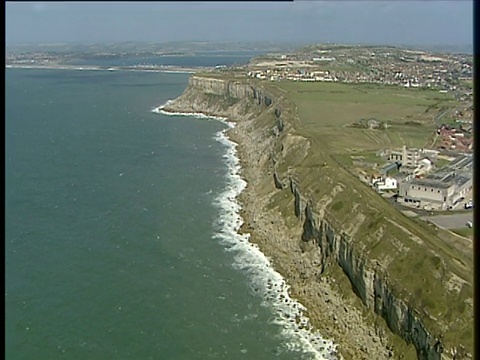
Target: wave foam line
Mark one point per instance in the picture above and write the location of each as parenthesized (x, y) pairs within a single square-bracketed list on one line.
[(265, 281), (289, 314), (198, 115)]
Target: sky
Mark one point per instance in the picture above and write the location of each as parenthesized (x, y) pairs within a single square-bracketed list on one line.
[(392, 22)]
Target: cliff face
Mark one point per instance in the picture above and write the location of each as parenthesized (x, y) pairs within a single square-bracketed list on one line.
[(370, 284), (218, 97), (272, 144)]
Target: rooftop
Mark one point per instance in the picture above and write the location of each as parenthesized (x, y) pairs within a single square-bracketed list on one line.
[(465, 161), (431, 183)]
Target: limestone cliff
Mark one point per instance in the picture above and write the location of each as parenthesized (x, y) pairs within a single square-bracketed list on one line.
[(320, 223)]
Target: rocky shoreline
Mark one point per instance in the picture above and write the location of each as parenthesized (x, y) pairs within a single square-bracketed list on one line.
[(334, 316)]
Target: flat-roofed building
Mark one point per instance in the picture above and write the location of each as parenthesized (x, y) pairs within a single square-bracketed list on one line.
[(420, 191), (441, 191)]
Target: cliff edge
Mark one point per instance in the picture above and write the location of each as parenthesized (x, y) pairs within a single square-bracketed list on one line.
[(379, 286)]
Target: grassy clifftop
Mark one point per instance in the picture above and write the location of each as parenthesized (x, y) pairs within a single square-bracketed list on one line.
[(429, 268), (297, 136)]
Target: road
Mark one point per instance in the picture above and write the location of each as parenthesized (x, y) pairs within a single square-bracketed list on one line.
[(453, 221), (440, 115)]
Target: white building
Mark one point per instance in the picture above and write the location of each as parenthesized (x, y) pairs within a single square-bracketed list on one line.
[(385, 183), (424, 166)]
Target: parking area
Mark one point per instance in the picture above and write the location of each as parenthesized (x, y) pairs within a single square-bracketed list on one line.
[(452, 221), (466, 198)]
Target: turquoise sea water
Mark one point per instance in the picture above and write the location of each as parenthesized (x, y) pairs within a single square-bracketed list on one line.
[(119, 229)]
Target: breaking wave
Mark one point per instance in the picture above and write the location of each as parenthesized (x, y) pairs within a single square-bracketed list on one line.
[(289, 314), (161, 110)]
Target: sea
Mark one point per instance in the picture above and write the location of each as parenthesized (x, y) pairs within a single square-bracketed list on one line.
[(121, 228)]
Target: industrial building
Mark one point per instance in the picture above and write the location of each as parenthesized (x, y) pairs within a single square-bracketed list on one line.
[(409, 157), (441, 190)]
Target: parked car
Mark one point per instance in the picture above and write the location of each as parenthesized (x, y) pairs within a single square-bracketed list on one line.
[(468, 205)]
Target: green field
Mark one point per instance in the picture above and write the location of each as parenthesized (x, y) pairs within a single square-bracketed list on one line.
[(327, 109)]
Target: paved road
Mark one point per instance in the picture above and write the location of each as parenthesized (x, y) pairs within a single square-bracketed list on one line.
[(438, 117), (453, 221)]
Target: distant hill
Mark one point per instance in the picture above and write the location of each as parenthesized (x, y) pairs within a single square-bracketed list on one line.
[(177, 47)]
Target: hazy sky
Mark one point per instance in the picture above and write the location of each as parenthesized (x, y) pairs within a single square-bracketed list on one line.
[(393, 22)]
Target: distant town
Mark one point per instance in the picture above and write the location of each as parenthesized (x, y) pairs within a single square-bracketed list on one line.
[(380, 65), (411, 69)]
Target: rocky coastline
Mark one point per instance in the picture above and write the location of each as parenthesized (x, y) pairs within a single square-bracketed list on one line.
[(334, 317), (302, 242), (327, 309)]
